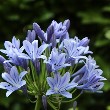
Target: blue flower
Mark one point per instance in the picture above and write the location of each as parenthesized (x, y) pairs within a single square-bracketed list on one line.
[(12, 51), (57, 30), (60, 29), (13, 80), (89, 77), (33, 51), (12, 47), (75, 49), (60, 85), (56, 60)]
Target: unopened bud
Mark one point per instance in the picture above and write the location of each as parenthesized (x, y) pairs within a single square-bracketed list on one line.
[(44, 101)]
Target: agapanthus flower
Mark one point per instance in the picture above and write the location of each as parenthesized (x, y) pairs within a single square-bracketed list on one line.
[(75, 49), (12, 51), (54, 31), (60, 29), (44, 101), (13, 80), (15, 45), (56, 60), (60, 84), (34, 52), (89, 77)]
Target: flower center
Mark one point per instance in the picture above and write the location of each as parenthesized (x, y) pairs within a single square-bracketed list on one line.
[(56, 89)]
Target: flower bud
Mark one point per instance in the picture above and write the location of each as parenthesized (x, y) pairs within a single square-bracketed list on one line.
[(44, 101)]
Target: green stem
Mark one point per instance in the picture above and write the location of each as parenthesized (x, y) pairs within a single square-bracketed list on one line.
[(49, 102), (38, 103)]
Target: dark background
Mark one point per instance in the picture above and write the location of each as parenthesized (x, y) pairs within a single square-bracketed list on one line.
[(89, 18)]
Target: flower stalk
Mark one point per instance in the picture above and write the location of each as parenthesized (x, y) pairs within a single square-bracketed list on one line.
[(38, 103)]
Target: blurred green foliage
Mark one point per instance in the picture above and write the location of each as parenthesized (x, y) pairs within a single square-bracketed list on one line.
[(89, 18)]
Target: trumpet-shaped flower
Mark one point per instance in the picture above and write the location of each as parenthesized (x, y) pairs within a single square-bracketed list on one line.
[(56, 60), (12, 47), (60, 84), (89, 77), (60, 29), (13, 80), (12, 51), (75, 49), (57, 30), (33, 51)]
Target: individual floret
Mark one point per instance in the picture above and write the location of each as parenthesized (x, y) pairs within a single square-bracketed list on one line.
[(13, 80), (60, 84)]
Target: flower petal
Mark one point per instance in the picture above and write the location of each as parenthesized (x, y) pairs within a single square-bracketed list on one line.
[(66, 94), (4, 85), (14, 74), (38, 31), (8, 45), (35, 48), (28, 47), (42, 48), (65, 79), (49, 92), (8, 78), (61, 59), (16, 42), (71, 85), (22, 74), (22, 83), (50, 82), (8, 93)]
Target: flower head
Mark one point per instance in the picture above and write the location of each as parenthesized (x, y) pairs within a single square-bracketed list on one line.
[(60, 85), (48, 63), (13, 80)]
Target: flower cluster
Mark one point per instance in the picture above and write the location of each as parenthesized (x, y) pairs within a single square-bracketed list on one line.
[(50, 63)]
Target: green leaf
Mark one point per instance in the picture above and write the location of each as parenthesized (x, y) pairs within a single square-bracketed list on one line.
[(106, 8), (101, 43), (13, 17), (45, 16), (93, 16), (107, 34)]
